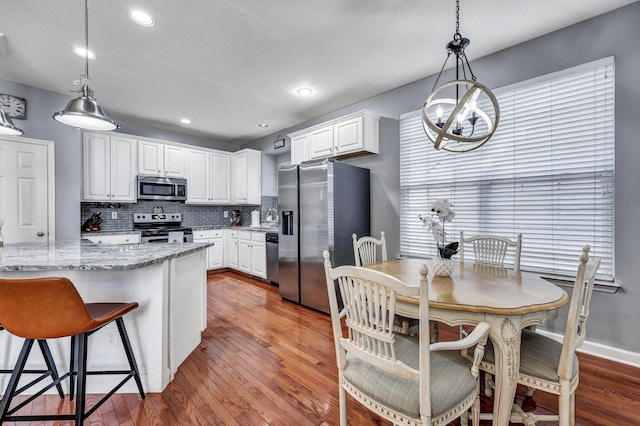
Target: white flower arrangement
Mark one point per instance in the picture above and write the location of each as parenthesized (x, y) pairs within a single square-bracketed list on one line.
[(441, 208)]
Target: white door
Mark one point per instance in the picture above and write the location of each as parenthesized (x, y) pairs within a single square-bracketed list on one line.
[(24, 191)]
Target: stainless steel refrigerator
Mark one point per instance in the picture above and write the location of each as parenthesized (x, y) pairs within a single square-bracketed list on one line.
[(321, 205)]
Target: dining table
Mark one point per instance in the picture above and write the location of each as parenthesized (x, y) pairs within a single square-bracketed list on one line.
[(507, 300)]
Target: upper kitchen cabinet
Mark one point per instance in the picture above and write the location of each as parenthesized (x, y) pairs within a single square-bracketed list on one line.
[(207, 177), (351, 135), (158, 159), (108, 168), (246, 177)]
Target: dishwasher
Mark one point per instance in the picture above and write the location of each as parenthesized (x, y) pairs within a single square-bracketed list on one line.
[(273, 274)]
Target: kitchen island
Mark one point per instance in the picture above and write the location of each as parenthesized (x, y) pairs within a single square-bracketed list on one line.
[(167, 280)]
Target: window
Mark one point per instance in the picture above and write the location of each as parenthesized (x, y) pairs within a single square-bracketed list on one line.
[(547, 173)]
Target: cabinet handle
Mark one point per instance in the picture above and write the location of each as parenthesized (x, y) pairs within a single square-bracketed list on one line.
[(40, 234)]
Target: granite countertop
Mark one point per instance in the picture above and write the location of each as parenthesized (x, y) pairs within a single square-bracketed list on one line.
[(85, 255)]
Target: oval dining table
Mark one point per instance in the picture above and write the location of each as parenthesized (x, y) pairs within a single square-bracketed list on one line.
[(507, 300)]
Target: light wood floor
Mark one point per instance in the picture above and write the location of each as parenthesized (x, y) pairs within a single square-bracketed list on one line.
[(264, 361)]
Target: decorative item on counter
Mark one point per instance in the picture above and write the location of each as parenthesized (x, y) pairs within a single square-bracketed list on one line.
[(93, 223), (255, 219), (441, 264), (236, 218)]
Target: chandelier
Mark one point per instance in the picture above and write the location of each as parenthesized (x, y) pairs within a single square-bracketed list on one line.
[(460, 115)]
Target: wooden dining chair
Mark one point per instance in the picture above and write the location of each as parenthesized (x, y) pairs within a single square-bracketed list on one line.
[(365, 252), (491, 249), (365, 249), (549, 365), (401, 378)]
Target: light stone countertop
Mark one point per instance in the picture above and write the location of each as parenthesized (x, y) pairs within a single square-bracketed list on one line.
[(85, 255)]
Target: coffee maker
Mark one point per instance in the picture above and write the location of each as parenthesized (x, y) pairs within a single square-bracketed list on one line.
[(236, 218)]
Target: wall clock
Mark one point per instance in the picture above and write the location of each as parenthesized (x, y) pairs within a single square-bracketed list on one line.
[(14, 106)]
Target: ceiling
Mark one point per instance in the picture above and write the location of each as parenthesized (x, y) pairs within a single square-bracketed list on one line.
[(229, 65)]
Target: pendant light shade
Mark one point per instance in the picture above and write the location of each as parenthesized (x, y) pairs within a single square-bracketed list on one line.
[(6, 125), (84, 112), (460, 115)]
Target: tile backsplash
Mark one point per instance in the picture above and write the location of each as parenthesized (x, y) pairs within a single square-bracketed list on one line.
[(193, 216)]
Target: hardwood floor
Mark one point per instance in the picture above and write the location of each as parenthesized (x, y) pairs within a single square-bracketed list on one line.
[(264, 361)]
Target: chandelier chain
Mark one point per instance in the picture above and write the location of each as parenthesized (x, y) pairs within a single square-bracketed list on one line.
[(457, 16)]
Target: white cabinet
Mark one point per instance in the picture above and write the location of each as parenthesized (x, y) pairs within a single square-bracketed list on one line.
[(354, 134), (231, 250), (252, 253), (215, 252), (299, 145), (321, 142), (108, 168), (207, 177), (246, 177), (113, 239), (158, 159)]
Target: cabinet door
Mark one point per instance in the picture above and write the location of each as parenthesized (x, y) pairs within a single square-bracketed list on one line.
[(299, 148), (321, 142), (215, 254), (96, 168), (173, 161), (150, 158), (239, 181), (348, 136), (244, 256), (232, 253), (220, 190), (259, 259), (123, 169), (198, 176)]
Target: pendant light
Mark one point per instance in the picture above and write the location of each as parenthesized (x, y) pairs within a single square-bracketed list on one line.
[(6, 125), (460, 115), (84, 112)]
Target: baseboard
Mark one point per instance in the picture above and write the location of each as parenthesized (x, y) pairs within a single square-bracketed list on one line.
[(602, 351)]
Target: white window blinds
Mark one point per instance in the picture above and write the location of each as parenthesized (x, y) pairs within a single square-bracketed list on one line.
[(547, 173)]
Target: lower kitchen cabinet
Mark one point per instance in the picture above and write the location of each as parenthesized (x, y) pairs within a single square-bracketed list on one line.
[(113, 238), (231, 252), (215, 252), (252, 253)]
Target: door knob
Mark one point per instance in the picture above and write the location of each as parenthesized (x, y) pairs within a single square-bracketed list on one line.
[(40, 234)]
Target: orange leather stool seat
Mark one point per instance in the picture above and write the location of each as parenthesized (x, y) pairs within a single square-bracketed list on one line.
[(46, 308)]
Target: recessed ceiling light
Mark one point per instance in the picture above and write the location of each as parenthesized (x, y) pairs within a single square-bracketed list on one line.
[(304, 91), (263, 125), (141, 18), (81, 51), (185, 121)]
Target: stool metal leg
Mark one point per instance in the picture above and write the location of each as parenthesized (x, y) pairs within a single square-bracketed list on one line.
[(51, 365), (81, 343), (73, 368), (129, 351), (15, 378)]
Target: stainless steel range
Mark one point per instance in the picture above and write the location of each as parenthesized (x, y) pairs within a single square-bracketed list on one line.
[(161, 228)]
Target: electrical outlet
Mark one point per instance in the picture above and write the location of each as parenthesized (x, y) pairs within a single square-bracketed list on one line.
[(110, 338), (225, 214), (114, 215)]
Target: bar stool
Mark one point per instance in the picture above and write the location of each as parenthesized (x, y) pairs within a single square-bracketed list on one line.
[(48, 308), (50, 371)]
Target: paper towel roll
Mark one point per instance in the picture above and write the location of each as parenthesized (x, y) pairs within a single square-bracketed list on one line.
[(255, 219)]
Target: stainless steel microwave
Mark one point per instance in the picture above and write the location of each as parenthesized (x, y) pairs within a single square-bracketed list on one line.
[(161, 188)]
